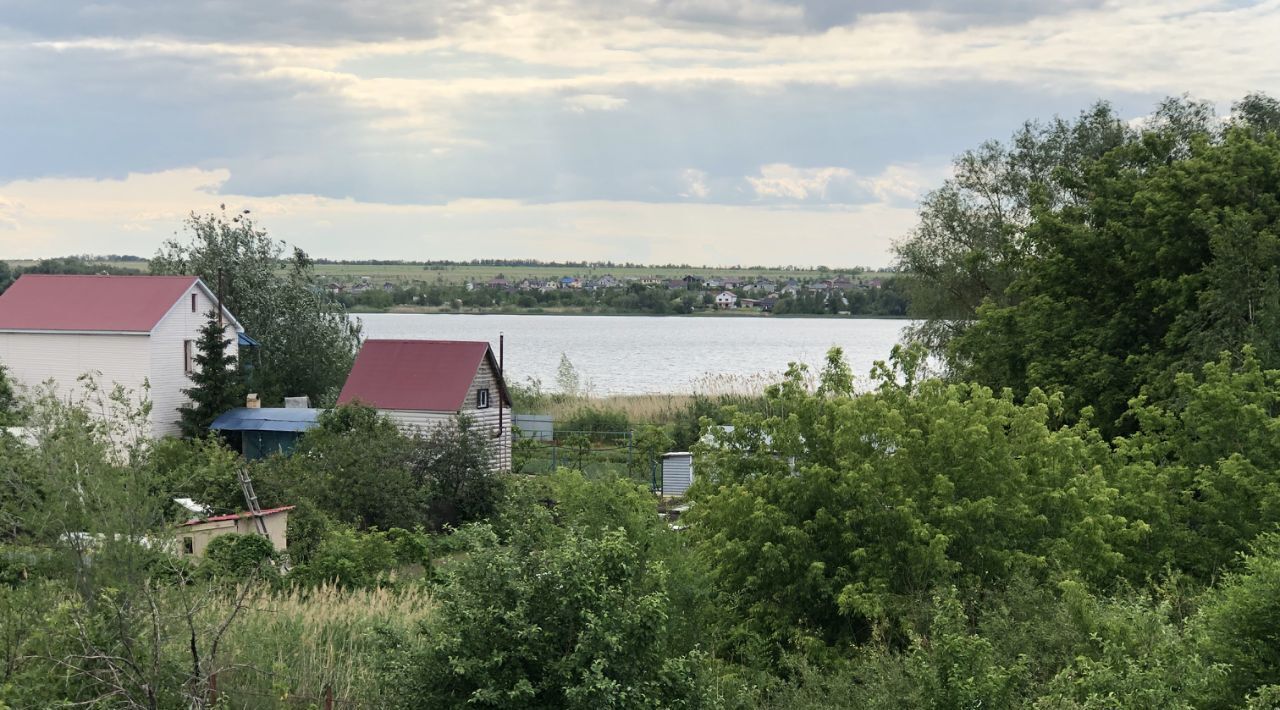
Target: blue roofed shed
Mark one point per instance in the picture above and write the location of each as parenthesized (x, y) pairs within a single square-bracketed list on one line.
[(260, 432)]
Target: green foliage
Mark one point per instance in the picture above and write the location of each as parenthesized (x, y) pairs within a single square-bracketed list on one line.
[(1124, 257), (454, 471), (237, 557), (356, 467), (352, 559), (833, 516), (307, 341), (553, 618), (1240, 623), (215, 383), (9, 414)]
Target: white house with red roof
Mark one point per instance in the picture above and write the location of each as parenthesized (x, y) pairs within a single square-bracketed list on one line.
[(126, 330), (421, 384)]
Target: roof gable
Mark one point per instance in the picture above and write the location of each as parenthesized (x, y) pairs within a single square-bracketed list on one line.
[(79, 303), (418, 375)]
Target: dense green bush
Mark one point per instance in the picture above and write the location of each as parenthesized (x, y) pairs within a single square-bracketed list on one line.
[(556, 616)]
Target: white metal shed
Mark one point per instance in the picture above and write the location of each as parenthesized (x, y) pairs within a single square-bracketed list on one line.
[(677, 472)]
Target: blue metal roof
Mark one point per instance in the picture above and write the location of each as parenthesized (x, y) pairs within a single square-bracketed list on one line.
[(266, 419), (246, 342)]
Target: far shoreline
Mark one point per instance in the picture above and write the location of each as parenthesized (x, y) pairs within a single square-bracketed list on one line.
[(704, 314)]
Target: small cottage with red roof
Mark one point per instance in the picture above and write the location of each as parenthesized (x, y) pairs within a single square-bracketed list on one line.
[(421, 384), (126, 330)]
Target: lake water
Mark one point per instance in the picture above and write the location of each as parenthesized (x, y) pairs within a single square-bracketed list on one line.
[(638, 354)]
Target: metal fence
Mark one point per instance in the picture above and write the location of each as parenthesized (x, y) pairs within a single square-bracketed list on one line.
[(591, 452)]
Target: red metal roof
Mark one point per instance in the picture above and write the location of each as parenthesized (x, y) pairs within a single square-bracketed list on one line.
[(430, 375), (233, 516), (130, 304)]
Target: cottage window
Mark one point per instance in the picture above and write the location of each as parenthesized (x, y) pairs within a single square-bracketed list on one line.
[(194, 302), (188, 356), (482, 399), (188, 546)]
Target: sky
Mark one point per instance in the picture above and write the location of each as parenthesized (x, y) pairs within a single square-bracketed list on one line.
[(714, 132)]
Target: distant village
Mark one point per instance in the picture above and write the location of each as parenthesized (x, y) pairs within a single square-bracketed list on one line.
[(840, 294)]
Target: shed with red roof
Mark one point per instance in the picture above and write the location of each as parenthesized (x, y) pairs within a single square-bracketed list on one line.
[(197, 533), (135, 331), (422, 384)]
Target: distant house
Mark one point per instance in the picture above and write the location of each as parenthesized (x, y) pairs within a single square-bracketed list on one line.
[(196, 534), (129, 330), (388, 286), (607, 281), (726, 299), (766, 304), (764, 285), (422, 384), (259, 432), (569, 282), (499, 283), (677, 284)]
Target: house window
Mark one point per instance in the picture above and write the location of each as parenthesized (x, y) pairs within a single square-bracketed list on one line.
[(194, 302), (188, 356), (188, 546), (482, 399)]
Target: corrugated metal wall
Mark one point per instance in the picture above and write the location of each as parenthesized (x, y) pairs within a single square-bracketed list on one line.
[(677, 473)]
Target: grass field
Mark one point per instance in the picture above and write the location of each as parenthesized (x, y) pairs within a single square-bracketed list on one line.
[(460, 273)]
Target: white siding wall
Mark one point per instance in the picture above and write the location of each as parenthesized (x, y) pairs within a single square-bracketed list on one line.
[(33, 358), (487, 378), (412, 421), (168, 367)]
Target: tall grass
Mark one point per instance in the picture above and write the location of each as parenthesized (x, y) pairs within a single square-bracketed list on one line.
[(292, 645)]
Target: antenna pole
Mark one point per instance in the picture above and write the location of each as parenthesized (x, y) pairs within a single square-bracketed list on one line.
[(502, 380)]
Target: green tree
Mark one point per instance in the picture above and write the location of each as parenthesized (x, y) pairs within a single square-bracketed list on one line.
[(454, 469), (9, 414), (555, 617), (215, 381), (971, 242), (829, 517), (307, 341), (356, 466)]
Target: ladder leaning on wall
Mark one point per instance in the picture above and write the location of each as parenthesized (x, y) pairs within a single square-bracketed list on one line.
[(255, 510)]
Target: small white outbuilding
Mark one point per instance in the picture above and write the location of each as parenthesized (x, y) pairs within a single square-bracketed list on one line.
[(677, 473)]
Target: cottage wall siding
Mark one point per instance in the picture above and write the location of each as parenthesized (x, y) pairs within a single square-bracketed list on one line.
[(168, 367), (32, 358), (487, 419)]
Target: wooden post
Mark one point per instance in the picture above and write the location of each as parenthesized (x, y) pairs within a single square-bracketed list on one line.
[(213, 688), (328, 697)]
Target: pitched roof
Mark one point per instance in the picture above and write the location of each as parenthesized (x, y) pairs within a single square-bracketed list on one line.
[(233, 516), (430, 375), (113, 304)]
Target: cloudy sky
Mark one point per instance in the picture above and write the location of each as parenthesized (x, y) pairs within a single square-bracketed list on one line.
[(701, 131)]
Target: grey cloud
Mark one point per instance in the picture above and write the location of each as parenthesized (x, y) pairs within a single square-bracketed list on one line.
[(329, 21), (83, 113)]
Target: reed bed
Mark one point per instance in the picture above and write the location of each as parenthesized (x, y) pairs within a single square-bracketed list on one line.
[(295, 644)]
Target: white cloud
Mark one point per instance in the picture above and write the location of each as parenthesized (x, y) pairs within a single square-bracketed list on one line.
[(695, 184), (792, 183), (581, 103)]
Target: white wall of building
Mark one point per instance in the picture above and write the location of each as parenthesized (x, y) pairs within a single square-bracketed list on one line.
[(33, 358), (168, 365)]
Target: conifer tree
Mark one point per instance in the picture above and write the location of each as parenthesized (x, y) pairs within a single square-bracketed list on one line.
[(215, 380)]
